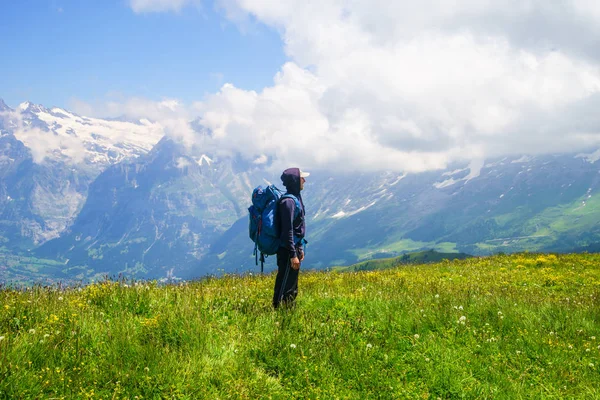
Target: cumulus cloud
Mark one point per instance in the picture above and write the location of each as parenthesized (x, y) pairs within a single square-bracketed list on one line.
[(170, 116), (379, 84), (412, 86)]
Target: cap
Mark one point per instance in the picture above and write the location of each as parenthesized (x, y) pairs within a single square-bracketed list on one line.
[(304, 174)]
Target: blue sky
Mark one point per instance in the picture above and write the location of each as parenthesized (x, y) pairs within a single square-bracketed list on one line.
[(58, 50)]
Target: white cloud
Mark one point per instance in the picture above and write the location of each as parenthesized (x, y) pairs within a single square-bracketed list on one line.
[(412, 86), (41, 144), (140, 6), (170, 116), (401, 85)]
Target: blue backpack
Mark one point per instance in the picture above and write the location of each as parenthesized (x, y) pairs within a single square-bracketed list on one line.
[(262, 227)]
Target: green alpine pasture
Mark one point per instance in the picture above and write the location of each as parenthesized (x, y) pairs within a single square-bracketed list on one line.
[(518, 326)]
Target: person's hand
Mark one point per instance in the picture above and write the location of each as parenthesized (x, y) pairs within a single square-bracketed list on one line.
[(295, 263), (301, 255)]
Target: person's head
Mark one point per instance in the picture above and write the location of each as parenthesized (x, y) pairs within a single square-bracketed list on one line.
[(293, 179)]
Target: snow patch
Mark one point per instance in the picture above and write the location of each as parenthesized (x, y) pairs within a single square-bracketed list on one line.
[(446, 183), (204, 158), (523, 159), (474, 171), (456, 171), (591, 157), (398, 180), (342, 213)]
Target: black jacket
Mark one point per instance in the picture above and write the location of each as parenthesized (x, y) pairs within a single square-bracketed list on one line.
[(291, 230)]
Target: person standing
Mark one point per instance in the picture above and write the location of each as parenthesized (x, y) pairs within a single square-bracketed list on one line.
[(292, 229)]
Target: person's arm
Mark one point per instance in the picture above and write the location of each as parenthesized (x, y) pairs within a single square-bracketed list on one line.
[(286, 210)]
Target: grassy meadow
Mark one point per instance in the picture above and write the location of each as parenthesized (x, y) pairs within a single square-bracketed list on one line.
[(518, 326)]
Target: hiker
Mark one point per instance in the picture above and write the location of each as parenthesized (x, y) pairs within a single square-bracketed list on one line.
[(291, 238)]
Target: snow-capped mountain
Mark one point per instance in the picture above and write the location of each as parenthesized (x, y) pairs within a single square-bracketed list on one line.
[(48, 158), (61, 135), (155, 214), (107, 197)]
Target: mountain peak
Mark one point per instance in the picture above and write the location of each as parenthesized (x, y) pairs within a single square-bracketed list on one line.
[(30, 107), (3, 106)]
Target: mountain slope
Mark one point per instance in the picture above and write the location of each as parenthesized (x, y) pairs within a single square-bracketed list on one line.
[(547, 203), (48, 158), (112, 205), (154, 217)]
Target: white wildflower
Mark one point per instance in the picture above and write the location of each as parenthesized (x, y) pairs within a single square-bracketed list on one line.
[(293, 346), (369, 346), (460, 308), (591, 365), (46, 335), (60, 298), (1, 338), (437, 296), (32, 331), (427, 360), (462, 320), (417, 336), (593, 338)]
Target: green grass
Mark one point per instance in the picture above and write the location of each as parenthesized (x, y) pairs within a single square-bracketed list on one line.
[(520, 326), (402, 246), (420, 257)]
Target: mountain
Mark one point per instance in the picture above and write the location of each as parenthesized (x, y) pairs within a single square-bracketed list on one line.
[(90, 197), (60, 135), (544, 203), (48, 159), (155, 216)]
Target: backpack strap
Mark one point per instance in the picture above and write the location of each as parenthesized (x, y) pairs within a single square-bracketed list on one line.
[(298, 209), (297, 213)]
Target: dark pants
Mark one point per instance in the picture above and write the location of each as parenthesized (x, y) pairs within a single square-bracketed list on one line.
[(286, 282)]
